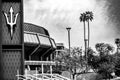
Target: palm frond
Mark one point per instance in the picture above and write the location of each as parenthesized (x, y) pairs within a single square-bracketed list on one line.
[(82, 17), (89, 15)]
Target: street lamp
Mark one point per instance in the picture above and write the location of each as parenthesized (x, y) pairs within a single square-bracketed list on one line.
[(68, 29)]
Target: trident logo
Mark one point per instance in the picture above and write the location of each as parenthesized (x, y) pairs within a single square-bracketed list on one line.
[(12, 23)]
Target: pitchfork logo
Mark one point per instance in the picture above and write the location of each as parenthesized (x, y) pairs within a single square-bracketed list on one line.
[(11, 24)]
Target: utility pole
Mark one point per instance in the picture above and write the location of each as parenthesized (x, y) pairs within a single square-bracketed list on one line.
[(68, 29)]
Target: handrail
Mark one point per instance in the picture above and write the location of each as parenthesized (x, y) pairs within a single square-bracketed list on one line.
[(56, 76), (28, 77), (45, 76), (39, 62), (62, 77)]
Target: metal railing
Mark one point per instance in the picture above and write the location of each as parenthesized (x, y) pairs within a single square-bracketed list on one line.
[(37, 76)]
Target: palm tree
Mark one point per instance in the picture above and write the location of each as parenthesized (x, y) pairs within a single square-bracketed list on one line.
[(117, 42), (89, 17), (83, 19)]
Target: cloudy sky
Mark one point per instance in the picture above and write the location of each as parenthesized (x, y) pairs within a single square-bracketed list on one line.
[(56, 15)]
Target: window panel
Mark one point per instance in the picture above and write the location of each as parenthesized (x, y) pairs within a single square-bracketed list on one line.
[(53, 43), (44, 40), (30, 38)]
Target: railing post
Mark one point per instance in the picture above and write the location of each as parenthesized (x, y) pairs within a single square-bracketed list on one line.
[(42, 71), (51, 71), (26, 73), (17, 74), (36, 72)]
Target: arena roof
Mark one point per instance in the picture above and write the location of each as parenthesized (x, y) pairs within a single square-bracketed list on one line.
[(35, 28)]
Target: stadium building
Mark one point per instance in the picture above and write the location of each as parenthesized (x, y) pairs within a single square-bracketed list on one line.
[(37, 43)]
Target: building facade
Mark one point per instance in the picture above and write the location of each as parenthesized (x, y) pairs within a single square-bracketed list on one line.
[(37, 43)]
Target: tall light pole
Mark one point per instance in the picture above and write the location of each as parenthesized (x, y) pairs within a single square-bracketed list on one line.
[(68, 29)]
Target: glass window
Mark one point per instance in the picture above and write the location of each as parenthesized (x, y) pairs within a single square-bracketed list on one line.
[(44, 40), (53, 43), (30, 38)]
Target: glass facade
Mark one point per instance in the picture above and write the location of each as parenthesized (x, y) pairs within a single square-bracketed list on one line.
[(30, 38), (44, 40), (35, 38)]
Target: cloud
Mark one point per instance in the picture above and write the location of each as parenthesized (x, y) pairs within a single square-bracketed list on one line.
[(56, 15), (114, 14)]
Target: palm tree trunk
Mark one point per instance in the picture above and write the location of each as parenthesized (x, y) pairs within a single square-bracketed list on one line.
[(85, 38), (85, 41), (88, 34), (117, 50)]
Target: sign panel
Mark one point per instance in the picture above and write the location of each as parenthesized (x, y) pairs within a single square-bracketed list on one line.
[(11, 39), (11, 23)]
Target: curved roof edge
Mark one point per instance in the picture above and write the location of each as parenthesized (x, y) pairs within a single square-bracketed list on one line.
[(35, 28)]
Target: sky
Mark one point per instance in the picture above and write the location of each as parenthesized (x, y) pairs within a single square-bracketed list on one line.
[(56, 15)]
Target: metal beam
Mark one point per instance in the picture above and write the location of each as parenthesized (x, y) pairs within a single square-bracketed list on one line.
[(35, 48), (46, 51)]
